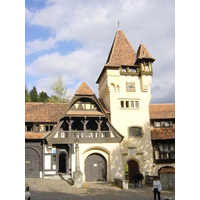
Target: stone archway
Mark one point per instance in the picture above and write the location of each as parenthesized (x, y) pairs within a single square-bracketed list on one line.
[(167, 177), (95, 168), (32, 161), (133, 166)]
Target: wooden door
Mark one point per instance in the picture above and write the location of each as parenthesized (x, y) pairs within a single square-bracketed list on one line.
[(95, 168)]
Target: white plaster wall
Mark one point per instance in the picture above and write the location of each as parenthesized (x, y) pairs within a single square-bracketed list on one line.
[(123, 118)]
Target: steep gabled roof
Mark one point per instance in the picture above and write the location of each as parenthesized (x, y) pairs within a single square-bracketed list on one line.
[(142, 52), (121, 53), (84, 90)]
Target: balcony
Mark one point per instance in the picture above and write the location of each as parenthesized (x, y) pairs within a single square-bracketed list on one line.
[(84, 134)]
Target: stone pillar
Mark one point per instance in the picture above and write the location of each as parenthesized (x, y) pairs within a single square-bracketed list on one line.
[(78, 175)]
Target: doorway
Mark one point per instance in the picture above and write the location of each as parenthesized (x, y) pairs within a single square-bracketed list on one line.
[(133, 167), (62, 162), (95, 168)]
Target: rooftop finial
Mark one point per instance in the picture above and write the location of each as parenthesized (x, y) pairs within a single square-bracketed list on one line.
[(118, 25)]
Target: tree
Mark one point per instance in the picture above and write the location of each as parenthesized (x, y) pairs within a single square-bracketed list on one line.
[(53, 99), (43, 96), (34, 95), (59, 90), (27, 96)]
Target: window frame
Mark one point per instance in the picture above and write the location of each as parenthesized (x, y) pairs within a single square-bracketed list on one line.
[(136, 136)]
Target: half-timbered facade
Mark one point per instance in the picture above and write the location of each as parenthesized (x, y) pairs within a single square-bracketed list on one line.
[(118, 128)]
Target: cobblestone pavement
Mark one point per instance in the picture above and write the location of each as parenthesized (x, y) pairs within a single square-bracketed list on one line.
[(53, 189)]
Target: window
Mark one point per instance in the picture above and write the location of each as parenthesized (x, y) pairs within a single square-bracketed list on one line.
[(132, 70), (157, 124), (166, 123), (129, 104), (29, 127), (137, 104), (135, 131), (132, 104), (172, 147), (124, 69)]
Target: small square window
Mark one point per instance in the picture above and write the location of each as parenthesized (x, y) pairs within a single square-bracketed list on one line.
[(127, 104), (29, 127), (157, 124), (166, 123), (122, 104)]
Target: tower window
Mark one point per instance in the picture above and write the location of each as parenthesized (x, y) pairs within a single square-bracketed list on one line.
[(132, 104), (124, 69), (127, 104), (137, 104)]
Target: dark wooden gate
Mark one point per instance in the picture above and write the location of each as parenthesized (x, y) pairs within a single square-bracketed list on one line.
[(95, 168), (31, 163)]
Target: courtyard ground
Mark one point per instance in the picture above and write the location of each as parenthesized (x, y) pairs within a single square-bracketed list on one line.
[(57, 189)]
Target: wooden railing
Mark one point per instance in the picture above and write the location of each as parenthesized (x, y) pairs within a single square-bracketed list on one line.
[(84, 134)]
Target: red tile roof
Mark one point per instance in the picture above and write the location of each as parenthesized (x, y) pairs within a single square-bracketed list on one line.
[(163, 133), (142, 52), (162, 111), (34, 135), (121, 53), (84, 90), (41, 112)]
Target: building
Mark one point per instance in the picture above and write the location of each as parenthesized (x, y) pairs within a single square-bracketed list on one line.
[(117, 128)]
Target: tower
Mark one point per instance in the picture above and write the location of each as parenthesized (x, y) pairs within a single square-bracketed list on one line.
[(124, 87)]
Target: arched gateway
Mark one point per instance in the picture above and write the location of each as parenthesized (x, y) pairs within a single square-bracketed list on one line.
[(95, 168), (133, 166)]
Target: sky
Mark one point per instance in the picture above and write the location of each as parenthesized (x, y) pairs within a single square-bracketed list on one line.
[(73, 39)]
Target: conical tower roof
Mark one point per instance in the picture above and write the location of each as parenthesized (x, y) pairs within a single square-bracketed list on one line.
[(142, 52), (84, 90), (121, 53)]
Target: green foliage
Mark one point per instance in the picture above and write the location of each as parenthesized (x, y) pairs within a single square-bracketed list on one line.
[(53, 99), (59, 96), (60, 91), (126, 169), (43, 96), (27, 96), (34, 95)]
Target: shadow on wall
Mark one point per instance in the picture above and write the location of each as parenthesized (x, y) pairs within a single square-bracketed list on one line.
[(138, 153)]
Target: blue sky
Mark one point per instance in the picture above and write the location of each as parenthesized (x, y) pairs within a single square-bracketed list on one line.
[(73, 39)]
